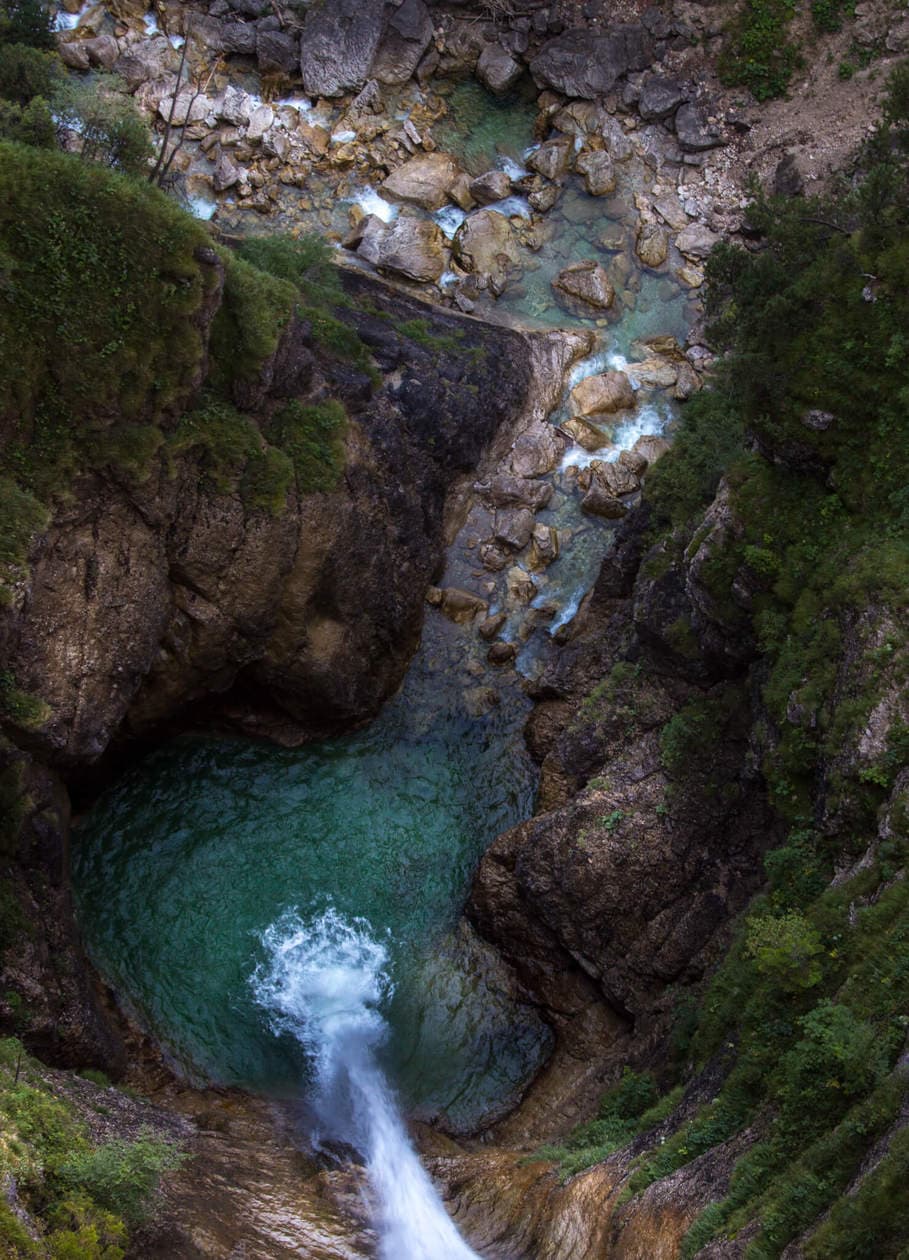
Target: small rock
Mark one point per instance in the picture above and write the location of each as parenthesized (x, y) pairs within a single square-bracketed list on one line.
[(259, 122), (513, 527), (656, 373), (506, 491), (585, 434), (651, 447), (818, 421), (501, 653), (551, 159), (598, 170), (489, 187), (461, 606), (490, 627), (652, 246), (544, 546)]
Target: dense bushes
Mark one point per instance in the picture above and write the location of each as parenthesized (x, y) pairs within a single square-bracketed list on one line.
[(807, 1014), (81, 1196)]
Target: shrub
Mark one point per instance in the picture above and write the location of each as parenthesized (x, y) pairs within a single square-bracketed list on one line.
[(246, 329), (27, 22), (103, 121), (786, 949), (26, 73), (31, 124), (120, 1176)]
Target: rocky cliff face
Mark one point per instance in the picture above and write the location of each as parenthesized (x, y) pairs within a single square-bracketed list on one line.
[(146, 597)]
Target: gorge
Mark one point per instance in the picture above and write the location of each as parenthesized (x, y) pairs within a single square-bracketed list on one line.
[(453, 698)]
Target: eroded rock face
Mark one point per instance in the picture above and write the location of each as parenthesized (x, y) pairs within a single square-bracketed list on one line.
[(583, 64), (338, 43), (144, 598)]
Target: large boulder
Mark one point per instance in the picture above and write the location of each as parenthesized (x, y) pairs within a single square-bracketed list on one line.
[(423, 181), (405, 41), (580, 63), (584, 289), (497, 69), (660, 97), (409, 247), (338, 44), (485, 244), (607, 392), (277, 52), (489, 187)]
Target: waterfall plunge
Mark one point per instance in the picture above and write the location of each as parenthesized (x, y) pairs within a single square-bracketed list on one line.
[(323, 982)]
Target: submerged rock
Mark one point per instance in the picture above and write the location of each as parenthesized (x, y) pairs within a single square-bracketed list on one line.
[(584, 288)]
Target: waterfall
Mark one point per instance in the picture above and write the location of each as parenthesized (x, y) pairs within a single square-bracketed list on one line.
[(323, 982)]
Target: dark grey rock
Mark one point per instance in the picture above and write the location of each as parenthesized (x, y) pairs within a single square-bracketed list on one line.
[(659, 98), (239, 37), (406, 39), (694, 133), (580, 64), (498, 69), (338, 45), (276, 50)]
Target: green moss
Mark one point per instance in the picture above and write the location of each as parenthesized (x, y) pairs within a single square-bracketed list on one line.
[(313, 438), (232, 455), (21, 708), (245, 332), (22, 517)]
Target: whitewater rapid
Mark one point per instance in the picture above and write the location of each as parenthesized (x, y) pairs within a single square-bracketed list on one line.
[(323, 981)]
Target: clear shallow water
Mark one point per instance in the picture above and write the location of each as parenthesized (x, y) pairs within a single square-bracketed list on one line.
[(188, 859)]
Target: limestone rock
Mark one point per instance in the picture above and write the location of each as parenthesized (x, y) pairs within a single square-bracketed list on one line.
[(655, 373), (489, 187), (585, 433), (410, 247), (338, 43), (651, 446), (544, 546), (584, 288), (424, 181), (660, 97), (406, 39), (277, 51), (696, 241), (599, 173), (607, 392), (551, 159), (652, 246), (504, 490), (670, 210), (260, 120), (513, 527), (582, 64), (694, 133), (189, 107), (102, 51), (485, 244), (497, 69), (461, 606), (536, 451), (599, 502)]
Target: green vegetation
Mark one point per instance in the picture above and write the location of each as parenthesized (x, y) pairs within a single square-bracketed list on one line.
[(760, 55), (806, 423), (81, 1196), (631, 1107), (233, 455), (248, 324), (312, 436)]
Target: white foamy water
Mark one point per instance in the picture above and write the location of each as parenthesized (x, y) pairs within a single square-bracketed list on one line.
[(323, 982), (602, 360), (202, 207), (449, 219), (372, 203), (511, 206), (514, 170)]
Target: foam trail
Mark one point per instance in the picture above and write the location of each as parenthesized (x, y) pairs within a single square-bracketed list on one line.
[(323, 982)]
